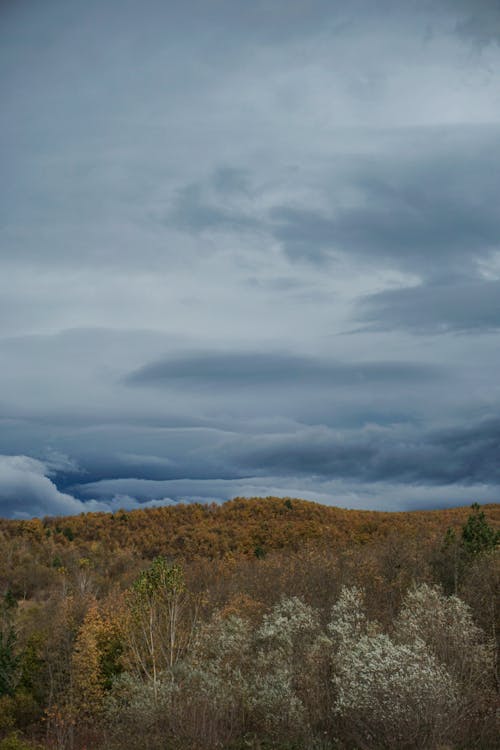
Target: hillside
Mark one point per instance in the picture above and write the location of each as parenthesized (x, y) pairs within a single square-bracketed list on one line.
[(259, 623), (240, 526)]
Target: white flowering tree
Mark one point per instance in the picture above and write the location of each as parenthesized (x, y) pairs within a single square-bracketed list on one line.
[(446, 626), (285, 638), (387, 694)]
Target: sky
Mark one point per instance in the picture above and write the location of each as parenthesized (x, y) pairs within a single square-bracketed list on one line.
[(249, 248)]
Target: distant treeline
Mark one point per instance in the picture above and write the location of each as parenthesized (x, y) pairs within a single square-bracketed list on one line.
[(256, 525)]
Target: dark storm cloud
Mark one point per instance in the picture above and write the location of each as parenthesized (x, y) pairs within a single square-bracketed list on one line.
[(257, 369), (396, 458), (465, 455), (465, 306), (460, 463)]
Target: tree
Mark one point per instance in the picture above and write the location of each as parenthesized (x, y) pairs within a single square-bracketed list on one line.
[(88, 679), (460, 550), (157, 634), (388, 693), (9, 661), (477, 535)]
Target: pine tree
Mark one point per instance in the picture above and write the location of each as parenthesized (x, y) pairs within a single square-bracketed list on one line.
[(477, 534)]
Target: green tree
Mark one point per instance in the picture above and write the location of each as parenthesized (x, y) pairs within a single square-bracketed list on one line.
[(459, 550), (477, 535)]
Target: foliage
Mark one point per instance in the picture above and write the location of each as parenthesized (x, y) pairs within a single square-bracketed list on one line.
[(14, 741), (239, 526), (477, 534), (9, 661), (256, 624), (446, 626), (393, 695), (95, 662)]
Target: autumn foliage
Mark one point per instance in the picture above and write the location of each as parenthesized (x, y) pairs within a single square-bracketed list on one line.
[(262, 623)]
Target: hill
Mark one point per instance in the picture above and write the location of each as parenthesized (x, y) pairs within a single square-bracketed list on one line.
[(239, 526)]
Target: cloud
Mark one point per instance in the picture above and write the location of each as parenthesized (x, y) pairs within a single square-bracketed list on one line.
[(421, 200), (479, 20), (339, 492), (471, 306), (259, 369), (196, 212), (193, 212), (378, 467), (229, 180), (430, 206), (27, 490), (307, 456), (398, 454)]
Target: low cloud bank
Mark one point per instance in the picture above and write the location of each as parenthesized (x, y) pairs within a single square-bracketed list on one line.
[(28, 489)]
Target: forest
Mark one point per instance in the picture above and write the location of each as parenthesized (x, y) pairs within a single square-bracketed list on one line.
[(255, 624)]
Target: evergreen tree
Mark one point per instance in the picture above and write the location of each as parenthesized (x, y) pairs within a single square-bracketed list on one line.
[(9, 662), (477, 534)]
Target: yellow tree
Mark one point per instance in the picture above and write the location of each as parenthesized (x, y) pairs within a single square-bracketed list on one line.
[(95, 661), (88, 680)]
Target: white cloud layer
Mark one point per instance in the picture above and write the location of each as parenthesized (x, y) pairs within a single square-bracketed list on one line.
[(27, 490)]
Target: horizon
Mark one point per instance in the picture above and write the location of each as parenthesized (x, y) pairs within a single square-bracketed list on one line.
[(221, 503), (249, 250)]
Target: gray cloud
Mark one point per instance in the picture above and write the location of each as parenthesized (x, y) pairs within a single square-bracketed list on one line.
[(430, 207), (342, 493), (31, 479), (362, 468), (479, 21), (21, 476), (465, 306), (192, 212), (231, 180), (329, 465), (454, 456), (259, 369), (425, 205), (229, 236)]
